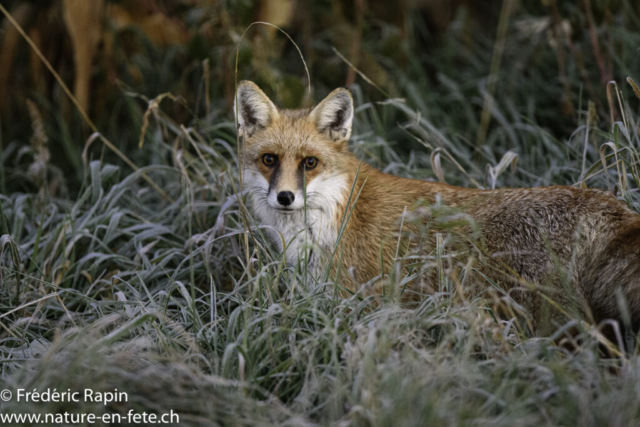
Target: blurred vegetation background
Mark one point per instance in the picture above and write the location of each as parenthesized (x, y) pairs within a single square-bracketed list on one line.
[(125, 260), (543, 60)]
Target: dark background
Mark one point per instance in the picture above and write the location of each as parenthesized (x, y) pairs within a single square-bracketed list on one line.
[(551, 58)]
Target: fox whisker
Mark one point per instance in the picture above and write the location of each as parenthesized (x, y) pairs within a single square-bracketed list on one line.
[(518, 236)]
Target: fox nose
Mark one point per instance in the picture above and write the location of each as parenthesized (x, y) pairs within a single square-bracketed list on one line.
[(285, 198)]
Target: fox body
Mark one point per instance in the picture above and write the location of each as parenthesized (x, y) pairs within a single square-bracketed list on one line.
[(528, 235)]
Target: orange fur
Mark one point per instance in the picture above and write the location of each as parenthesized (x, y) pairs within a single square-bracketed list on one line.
[(522, 236)]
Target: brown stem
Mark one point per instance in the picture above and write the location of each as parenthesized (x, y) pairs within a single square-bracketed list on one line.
[(584, 75), (556, 29), (594, 41), (357, 41)]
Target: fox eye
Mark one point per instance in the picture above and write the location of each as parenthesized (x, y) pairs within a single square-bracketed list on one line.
[(310, 162), (269, 159)]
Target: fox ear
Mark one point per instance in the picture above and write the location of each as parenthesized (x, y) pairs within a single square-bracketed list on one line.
[(253, 108), (334, 115)]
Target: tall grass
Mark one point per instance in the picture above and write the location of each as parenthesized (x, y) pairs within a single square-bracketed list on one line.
[(183, 304)]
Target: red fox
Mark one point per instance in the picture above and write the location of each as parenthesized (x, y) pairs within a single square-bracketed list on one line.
[(303, 182)]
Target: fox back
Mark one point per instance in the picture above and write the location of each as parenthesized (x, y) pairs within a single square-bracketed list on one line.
[(304, 185)]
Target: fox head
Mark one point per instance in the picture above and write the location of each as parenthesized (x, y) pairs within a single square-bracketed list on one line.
[(288, 151)]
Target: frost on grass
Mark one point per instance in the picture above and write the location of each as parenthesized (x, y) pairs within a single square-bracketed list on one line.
[(181, 301)]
